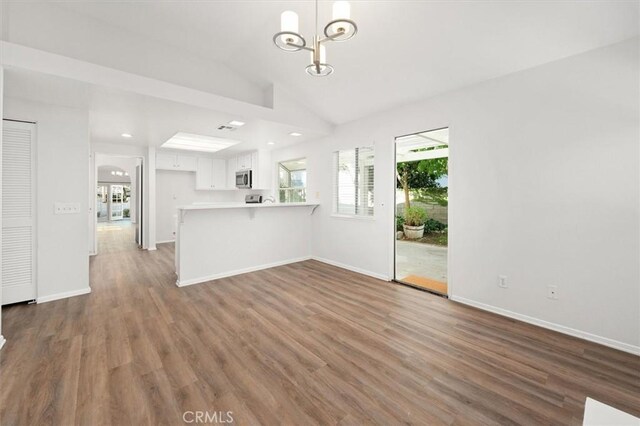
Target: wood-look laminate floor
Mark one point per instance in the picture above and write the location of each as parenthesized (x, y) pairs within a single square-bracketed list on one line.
[(301, 344)]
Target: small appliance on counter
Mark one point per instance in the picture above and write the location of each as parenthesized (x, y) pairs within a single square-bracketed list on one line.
[(253, 199), (243, 179)]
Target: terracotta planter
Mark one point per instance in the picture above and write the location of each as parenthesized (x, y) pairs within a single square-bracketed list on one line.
[(413, 232)]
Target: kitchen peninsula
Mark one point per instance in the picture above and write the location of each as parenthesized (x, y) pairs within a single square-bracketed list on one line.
[(223, 239)]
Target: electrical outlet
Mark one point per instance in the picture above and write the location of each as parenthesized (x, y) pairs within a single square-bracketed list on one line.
[(502, 281), (552, 292)]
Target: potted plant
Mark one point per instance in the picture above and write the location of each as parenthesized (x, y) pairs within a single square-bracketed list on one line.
[(414, 219)]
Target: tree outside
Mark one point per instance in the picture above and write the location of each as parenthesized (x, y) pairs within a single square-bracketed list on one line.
[(424, 184)]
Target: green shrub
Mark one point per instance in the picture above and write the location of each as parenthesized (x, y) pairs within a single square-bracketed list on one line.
[(432, 225), (415, 216), (399, 223), (125, 212), (443, 239)]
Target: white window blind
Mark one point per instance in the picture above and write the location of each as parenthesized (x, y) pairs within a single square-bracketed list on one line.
[(353, 182)]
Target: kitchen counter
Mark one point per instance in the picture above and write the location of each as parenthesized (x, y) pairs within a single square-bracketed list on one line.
[(216, 240), (210, 206)]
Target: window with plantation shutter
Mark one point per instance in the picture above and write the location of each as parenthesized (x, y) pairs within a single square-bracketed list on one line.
[(353, 174)]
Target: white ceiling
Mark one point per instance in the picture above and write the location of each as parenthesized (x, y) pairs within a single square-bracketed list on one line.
[(404, 51), (151, 121)]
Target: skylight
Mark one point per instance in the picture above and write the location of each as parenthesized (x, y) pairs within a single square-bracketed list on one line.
[(201, 143)]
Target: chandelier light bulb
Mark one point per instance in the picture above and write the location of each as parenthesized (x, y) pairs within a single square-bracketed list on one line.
[(289, 23), (341, 10)]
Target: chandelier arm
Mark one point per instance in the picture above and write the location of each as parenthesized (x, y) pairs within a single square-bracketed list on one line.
[(334, 37), (300, 46), (329, 38)]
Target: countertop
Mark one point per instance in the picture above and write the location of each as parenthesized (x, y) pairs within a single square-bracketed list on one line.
[(212, 206)]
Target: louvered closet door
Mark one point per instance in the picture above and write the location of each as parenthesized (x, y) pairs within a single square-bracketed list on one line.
[(18, 212)]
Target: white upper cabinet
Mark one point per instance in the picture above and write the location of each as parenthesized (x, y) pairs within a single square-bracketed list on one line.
[(259, 162), (232, 166), (171, 161), (211, 174), (262, 169), (244, 162), (219, 178), (204, 173), (165, 161)]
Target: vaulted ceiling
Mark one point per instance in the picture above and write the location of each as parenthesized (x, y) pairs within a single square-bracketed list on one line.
[(404, 51)]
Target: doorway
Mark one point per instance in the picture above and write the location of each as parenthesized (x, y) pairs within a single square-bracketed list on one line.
[(422, 210), (118, 204)]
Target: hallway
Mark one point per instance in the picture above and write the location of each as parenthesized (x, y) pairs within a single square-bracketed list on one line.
[(116, 236)]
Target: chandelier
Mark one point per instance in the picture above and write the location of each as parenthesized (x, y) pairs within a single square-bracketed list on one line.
[(340, 28)]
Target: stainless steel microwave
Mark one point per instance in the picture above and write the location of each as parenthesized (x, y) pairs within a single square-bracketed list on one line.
[(243, 179)]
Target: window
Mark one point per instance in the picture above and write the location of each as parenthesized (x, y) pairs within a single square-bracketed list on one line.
[(292, 181), (353, 182)]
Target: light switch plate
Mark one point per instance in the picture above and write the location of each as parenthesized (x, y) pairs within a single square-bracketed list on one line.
[(66, 208)]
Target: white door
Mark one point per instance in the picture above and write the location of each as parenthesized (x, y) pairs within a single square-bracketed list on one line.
[(117, 194), (18, 212)]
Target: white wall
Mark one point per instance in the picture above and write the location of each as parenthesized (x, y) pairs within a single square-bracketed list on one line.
[(62, 166), (544, 188)]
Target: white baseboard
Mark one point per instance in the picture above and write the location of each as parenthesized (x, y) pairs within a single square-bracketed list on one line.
[(551, 326), (64, 295), (152, 248), (192, 281), (165, 241), (351, 268), (2, 341)]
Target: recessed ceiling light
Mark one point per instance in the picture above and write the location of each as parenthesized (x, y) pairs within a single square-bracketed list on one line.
[(236, 123), (201, 143), (126, 135), (271, 143), (295, 134)]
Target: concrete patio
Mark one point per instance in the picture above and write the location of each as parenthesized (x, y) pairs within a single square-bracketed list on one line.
[(423, 260)]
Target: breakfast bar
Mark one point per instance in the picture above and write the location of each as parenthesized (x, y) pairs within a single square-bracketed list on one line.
[(223, 239)]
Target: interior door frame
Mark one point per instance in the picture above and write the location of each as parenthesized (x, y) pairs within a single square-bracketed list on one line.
[(93, 217), (395, 212)]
